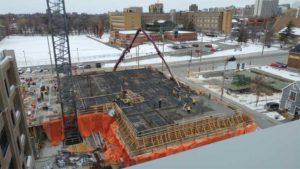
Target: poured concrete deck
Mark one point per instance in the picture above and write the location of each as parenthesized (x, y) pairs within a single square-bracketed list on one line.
[(152, 85)]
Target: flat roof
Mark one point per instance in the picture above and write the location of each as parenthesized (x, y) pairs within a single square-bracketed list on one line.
[(273, 148), (152, 86)]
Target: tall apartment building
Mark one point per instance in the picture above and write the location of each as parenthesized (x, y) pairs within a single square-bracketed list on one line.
[(129, 19), (266, 8), (193, 8), (156, 8), (212, 21), (15, 145)]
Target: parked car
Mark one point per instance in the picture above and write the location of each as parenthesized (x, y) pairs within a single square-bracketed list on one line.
[(20, 71), (87, 67), (98, 65), (208, 45), (272, 106), (28, 70), (279, 65), (80, 66)]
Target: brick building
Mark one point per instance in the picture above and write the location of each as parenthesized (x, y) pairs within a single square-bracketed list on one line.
[(15, 144), (124, 38), (181, 36)]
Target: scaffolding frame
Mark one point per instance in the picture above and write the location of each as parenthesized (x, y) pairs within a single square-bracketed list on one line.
[(150, 140)]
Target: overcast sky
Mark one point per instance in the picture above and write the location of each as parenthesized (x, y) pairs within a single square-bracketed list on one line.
[(103, 6)]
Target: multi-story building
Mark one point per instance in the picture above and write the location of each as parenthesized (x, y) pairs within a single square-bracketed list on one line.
[(127, 20), (266, 8), (193, 8), (15, 144), (212, 21), (248, 11), (156, 8)]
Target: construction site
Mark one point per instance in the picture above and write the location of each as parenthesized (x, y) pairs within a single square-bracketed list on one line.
[(133, 116), (118, 118)]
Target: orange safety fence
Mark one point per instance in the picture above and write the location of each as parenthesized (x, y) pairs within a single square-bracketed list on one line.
[(54, 130), (107, 127)]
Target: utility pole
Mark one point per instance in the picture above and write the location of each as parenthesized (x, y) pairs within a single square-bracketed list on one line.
[(52, 72), (78, 55), (223, 79), (25, 57), (265, 36)]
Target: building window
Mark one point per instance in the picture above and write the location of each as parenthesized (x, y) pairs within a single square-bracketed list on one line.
[(3, 141), (13, 118), (6, 87), (19, 145), (11, 164), (292, 96)]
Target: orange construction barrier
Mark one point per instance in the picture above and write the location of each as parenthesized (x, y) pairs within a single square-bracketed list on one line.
[(107, 127), (54, 130)]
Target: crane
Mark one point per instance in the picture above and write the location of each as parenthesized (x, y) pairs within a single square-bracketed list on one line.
[(58, 26)]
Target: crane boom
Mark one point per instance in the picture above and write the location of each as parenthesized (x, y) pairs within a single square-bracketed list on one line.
[(127, 50)]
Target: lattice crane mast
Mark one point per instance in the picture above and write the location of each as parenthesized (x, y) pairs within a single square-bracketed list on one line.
[(58, 26)]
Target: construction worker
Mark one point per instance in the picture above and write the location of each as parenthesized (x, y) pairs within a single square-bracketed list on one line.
[(159, 103), (194, 101), (189, 109)]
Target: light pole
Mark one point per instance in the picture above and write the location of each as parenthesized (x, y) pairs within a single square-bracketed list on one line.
[(163, 45), (50, 55), (78, 55), (25, 57)]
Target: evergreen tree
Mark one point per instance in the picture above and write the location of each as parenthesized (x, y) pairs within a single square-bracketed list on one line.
[(287, 34)]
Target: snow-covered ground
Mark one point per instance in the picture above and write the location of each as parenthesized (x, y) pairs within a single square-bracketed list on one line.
[(280, 72), (248, 100), (36, 50), (275, 115), (157, 60), (208, 39)]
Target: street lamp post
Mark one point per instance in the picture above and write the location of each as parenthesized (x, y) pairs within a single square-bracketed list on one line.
[(78, 55), (52, 72), (25, 58)]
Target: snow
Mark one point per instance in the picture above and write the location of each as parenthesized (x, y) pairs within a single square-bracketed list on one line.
[(248, 100), (161, 21), (275, 115), (37, 53), (181, 32), (148, 49), (280, 72), (295, 31), (246, 49), (157, 60), (129, 32), (208, 38)]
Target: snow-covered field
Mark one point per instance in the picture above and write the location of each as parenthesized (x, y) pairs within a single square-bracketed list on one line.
[(280, 72), (36, 50)]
